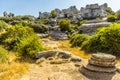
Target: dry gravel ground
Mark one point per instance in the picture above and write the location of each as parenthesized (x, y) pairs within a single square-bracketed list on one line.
[(59, 71), (47, 71)]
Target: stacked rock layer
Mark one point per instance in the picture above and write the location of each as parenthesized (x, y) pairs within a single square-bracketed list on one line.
[(100, 64)]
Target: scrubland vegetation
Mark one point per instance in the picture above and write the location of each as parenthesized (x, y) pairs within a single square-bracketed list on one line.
[(104, 40), (18, 44), (18, 37)]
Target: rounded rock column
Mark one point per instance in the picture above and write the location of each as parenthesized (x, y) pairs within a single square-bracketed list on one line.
[(100, 66)]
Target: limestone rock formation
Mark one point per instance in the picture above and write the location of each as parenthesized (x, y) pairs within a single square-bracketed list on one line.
[(54, 53), (103, 60), (100, 66), (59, 35), (44, 15), (91, 26), (93, 11)]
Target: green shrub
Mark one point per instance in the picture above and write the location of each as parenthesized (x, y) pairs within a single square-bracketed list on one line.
[(3, 25), (111, 18), (3, 55), (21, 39), (105, 40), (29, 46), (53, 13), (93, 44), (65, 25), (78, 39), (118, 14), (39, 28), (83, 21), (109, 11), (44, 21)]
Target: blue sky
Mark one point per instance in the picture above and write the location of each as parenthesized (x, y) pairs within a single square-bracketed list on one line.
[(32, 7)]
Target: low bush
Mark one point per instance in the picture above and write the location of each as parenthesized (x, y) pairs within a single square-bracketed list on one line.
[(78, 39), (111, 18), (106, 39), (40, 28), (3, 25), (65, 25), (22, 40)]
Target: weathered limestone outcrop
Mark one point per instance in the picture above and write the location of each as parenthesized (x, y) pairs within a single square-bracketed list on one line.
[(91, 27), (54, 53), (89, 12), (93, 11), (59, 56), (59, 35), (44, 15), (63, 65), (100, 66)]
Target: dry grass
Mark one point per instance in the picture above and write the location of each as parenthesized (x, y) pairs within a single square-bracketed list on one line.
[(12, 70), (118, 62), (65, 45)]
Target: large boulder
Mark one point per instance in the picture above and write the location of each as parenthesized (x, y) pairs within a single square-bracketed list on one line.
[(64, 54), (46, 54), (75, 58), (90, 28)]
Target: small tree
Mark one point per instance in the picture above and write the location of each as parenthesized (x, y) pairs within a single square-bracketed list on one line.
[(53, 13), (5, 14)]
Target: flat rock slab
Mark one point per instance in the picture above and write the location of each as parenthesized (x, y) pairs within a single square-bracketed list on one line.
[(102, 63), (103, 57), (99, 69), (98, 75), (54, 53)]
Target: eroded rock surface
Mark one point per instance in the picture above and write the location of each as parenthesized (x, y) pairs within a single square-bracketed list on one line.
[(100, 67), (57, 67)]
